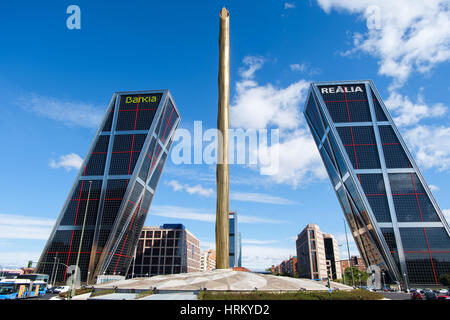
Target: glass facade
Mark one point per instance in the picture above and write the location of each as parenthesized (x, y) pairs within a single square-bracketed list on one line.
[(234, 242), (394, 219), (114, 188)]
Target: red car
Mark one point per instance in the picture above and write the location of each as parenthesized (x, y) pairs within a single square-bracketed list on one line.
[(443, 297), (416, 295)]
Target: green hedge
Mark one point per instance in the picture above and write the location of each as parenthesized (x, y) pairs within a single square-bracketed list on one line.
[(77, 292), (357, 294), (102, 292)]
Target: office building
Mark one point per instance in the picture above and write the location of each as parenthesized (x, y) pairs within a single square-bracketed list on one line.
[(311, 256), (167, 249), (208, 260), (391, 212), (235, 242), (104, 213), (332, 256)]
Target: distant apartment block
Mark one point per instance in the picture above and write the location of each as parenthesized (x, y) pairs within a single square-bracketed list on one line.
[(168, 249), (356, 262), (317, 254), (332, 256), (208, 260)]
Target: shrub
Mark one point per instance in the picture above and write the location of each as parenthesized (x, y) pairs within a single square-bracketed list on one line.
[(77, 292), (357, 294), (102, 292)]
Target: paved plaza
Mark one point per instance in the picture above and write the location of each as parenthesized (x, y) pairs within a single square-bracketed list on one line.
[(223, 279)]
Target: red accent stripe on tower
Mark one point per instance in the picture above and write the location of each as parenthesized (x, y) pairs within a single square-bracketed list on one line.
[(424, 230), (126, 238), (132, 141), (74, 223)]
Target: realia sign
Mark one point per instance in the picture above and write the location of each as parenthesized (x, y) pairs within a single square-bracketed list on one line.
[(341, 89)]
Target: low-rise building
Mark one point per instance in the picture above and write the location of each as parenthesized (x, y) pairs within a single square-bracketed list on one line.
[(168, 249), (356, 262), (208, 260)]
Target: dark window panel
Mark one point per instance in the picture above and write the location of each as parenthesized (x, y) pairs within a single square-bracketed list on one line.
[(143, 173), (157, 172), (108, 124), (411, 202), (338, 156), (168, 120), (389, 236), (393, 151), (360, 144), (313, 115), (330, 167), (381, 116)]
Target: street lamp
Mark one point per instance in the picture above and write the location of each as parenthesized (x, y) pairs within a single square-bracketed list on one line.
[(384, 283), (348, 251), (343, 272), (406, 282), (81, 240)]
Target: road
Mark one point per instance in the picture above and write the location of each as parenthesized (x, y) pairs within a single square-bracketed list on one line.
[(396, 295), (47, 296)]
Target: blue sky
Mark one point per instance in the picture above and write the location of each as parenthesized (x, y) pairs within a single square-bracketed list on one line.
[(56, 83)]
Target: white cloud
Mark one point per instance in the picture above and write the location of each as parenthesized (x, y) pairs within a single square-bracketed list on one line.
[(446, 213), (253, 63), (18, 259), (258, 197), (238, 196), (431, 146), (433, 187), (259, 106), (298, 67), (410, 113), (299, 160), (304, 68), (176, 212), (289, 5), (197, 189), (251, 241), (263, 257), (69, 161), (256, 106), (206, 245), (70, 113), (253, 219), (24, 227), (414, 35)]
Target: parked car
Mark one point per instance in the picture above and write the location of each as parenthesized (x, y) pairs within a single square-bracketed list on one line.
[(416, 295), (443, 297), (61, 289), (430, 295), (443, 292), (365, 288)]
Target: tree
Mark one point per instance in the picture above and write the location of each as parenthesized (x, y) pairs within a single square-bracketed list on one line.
[(358, 276), (444, 279)]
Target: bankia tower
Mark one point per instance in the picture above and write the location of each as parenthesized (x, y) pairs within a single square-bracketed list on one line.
[(105, 211), (392, 215)]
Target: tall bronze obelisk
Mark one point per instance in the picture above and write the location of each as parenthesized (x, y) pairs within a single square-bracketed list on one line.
[(222, 173)]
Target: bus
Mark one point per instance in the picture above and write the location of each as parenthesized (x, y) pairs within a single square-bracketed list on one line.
[(34, 277), (21, 288)]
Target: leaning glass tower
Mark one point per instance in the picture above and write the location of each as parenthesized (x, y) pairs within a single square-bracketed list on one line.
[(392, 215), (105, 211)]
